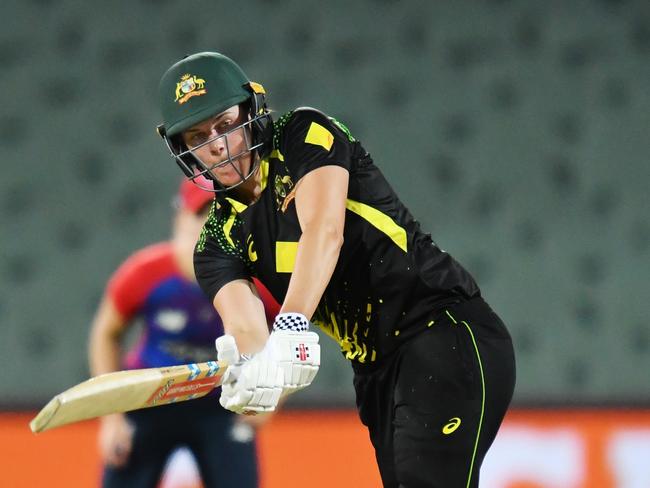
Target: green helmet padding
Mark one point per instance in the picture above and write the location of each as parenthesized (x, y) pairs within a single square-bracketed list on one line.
[(198, 87)]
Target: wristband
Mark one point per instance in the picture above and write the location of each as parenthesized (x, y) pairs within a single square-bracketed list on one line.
[(295, 322)]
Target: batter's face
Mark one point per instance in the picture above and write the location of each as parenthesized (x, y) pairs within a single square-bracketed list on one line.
[(222, 145)]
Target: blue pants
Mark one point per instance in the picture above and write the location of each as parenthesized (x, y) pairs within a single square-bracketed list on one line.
[(224, 460)]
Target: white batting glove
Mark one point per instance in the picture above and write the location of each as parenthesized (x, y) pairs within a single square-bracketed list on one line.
[(296, 349), (248, 386), (289, 361)]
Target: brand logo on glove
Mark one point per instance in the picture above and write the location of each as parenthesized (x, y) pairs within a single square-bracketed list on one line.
[(302, 352)]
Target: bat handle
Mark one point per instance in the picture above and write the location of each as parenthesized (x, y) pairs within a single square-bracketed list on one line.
[(227, 349)]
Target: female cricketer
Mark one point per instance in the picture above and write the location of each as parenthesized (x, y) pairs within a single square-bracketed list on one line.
[(301, 206)]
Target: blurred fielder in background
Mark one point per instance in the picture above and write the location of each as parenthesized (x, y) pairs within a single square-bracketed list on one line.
[(157, 284), (301, 206)]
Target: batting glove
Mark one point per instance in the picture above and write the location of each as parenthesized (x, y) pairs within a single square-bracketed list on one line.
[(249, 385), (296, 349), (288, 362)]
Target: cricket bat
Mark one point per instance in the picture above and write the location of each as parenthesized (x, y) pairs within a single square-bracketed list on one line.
[(123, 391)]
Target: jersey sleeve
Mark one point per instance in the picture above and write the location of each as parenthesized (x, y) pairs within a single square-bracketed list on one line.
[(123, 290), (215, 265), (131, 283), (311, 140)]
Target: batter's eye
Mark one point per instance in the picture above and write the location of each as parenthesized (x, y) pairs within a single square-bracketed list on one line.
[(197, 138)]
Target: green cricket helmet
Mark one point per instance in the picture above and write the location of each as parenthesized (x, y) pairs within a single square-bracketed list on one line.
[(201, 86)]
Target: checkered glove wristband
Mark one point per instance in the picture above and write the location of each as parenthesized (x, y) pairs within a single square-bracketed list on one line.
[(295, 322)]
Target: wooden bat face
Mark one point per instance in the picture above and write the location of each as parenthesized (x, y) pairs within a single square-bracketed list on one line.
[(124, 391)]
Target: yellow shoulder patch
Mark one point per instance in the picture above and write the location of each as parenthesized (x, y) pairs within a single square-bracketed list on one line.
[(319, 136)]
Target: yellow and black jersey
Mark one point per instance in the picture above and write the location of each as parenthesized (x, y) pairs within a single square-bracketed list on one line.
[(390, 279)]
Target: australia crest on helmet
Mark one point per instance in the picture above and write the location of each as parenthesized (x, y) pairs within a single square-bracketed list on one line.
[(189, 86)]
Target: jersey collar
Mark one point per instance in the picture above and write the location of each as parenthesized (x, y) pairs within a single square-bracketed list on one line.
[(238, 206)]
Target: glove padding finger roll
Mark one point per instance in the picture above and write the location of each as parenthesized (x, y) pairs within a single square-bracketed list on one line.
[(227, 351), (249, 385), (296, 349), (297, 354)]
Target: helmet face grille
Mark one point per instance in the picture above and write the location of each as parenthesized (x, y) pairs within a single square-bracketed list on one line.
[(193, 166)]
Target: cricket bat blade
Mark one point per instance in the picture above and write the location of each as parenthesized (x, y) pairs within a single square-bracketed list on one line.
[(123, 391)]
